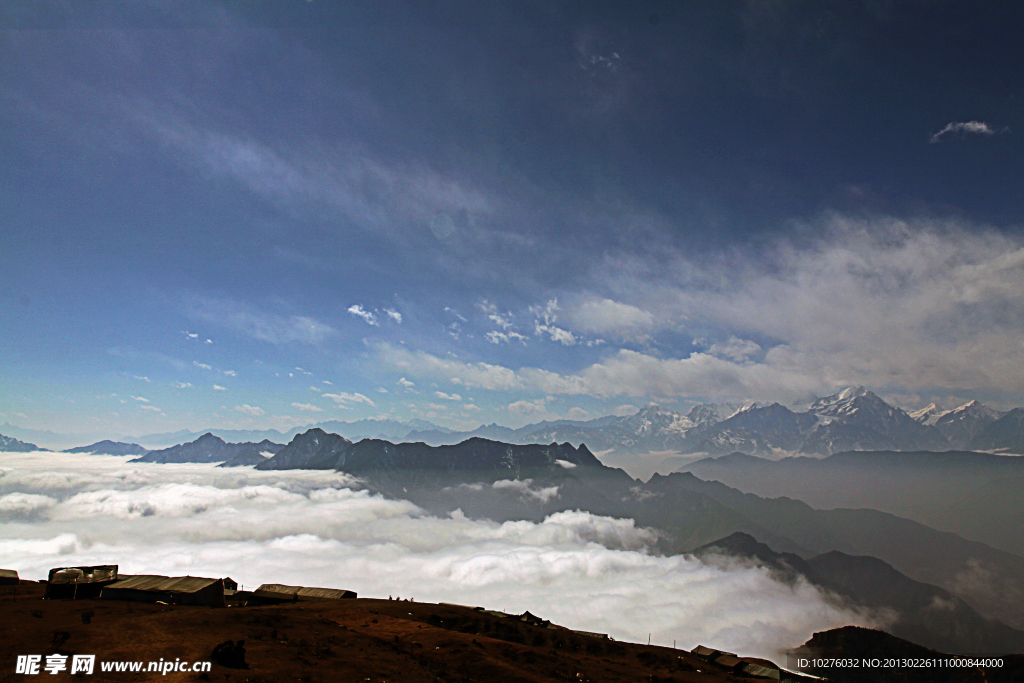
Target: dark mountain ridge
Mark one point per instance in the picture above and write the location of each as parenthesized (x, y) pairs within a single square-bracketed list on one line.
[(11, 445), (107, 447), (208, 449), (977, 495), (502, 482), (916, 611)]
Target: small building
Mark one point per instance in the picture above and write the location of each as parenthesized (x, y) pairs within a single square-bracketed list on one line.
[(533, 620), (728, 661), (79, 583), (273, 590), (172, 590), (8, 577), (759, 668), (705, 652)]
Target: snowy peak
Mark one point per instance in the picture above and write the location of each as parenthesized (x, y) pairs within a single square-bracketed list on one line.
[(928, 415), (962, 424), (653, 419), (974, 409), (848, 402)]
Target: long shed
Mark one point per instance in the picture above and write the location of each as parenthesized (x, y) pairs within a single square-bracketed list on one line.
[(300, 592), (173, 590)]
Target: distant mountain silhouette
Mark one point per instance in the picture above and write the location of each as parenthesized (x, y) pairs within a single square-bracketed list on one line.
[(11, 445), (110, 448), (977, 495), (209, 448)]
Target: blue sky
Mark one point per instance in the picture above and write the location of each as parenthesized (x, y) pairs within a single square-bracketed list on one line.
[(264, 214)]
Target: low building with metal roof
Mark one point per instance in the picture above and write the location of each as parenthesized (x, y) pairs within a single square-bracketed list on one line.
[(79, 582), (172, 590), (304, 592), (9, 577)]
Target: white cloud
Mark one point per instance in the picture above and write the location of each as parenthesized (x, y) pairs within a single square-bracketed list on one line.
[(394, 315), (968, 127), (344, 397), (230, 373), (217, 387), (577, 569), (190, 335), (496, 337), (140, 398), (151, 408), (208, 341), (181, 385), (524, 487), (545, 324), (325, 382), (447, 397), (405, 383), (625, 410), (382, 390), (358, 311), (308, 407), (316, 389), (204, 366), (267, 327), (577, 413), (899, 306), (473, 375), (605, 316), (536, 407), (470, 407), (736, 349), (25, 503), (251, 411), (141, 378)]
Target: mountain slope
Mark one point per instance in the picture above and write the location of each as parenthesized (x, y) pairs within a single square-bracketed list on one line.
[(961, 425), (208, 448), (857, 419), (1005, 435), (110, 448), (758, 429), (976, 495), (988, 579), (314, 449), (922, 613), (11, 445)]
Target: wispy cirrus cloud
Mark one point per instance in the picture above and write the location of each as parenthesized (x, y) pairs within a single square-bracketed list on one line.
[(268, 327), (545, 324), (968, 128), (343, 398), (251, 411)]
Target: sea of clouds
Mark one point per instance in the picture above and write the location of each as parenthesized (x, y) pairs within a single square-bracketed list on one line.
[(318, 528)]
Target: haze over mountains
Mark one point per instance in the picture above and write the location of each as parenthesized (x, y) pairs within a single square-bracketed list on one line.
[(933, 587), (853, 419), (941, 603), (953, 586), (976, 495)]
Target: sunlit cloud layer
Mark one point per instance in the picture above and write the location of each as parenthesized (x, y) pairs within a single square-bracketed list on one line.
[(318, 528)]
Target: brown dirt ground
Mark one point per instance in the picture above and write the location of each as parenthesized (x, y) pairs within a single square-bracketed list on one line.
[(362, 640)]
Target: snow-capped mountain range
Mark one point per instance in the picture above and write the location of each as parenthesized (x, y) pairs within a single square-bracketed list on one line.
[(853, 419)]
